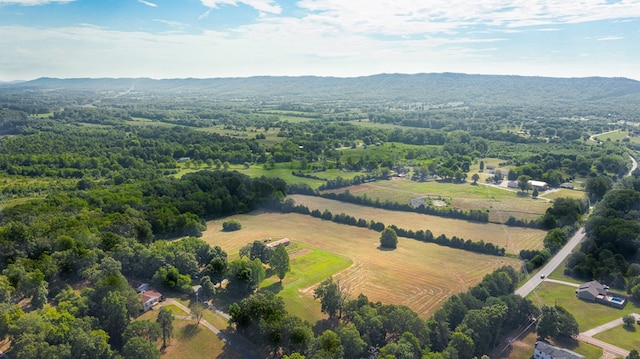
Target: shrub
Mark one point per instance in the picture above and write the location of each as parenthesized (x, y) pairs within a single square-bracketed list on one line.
[(232, 225)]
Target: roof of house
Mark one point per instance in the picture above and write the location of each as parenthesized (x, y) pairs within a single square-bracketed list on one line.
[(538, 183), (555, 352), (593, 287), (274, 244), (149, 295)]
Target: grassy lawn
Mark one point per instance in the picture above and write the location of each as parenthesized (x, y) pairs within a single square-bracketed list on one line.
[(565, 192), (513, 239), (419, 275), (191, 341), (621, 336), (588, 315)]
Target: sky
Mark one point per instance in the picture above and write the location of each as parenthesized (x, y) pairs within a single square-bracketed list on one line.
[(344, 38)]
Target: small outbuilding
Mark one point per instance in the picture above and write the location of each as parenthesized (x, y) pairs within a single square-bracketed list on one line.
[(274, 244), (539, 185)]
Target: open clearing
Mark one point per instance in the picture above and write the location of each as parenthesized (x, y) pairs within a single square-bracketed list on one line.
[(191, 341), (513, 239), (500, 202), (419, 275)]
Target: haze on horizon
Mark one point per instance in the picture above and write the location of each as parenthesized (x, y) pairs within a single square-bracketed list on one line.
[(239, 38)]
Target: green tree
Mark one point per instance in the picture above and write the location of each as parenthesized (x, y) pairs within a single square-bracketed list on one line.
[(389, 238), (481, 166), (547, 322), (354, 346), (633, 354), (597, 187), (523, 183), (197, 310), (332, 297), (475, 177), (629, 320), (328, 346), (114, 317), (535, 193), (143, 329), (280, 261), (165, 319), (208, 289), (461, 344), (139, 348)]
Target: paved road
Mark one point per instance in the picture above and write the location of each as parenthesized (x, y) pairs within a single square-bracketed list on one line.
[(554, 263), (534, 281)]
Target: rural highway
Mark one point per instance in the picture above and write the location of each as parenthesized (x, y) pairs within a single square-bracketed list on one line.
[(534, 281)]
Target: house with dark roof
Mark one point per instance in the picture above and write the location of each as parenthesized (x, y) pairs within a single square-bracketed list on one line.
[(596, 292), (543, 350)]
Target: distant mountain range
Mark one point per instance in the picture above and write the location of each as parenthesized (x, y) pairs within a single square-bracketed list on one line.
[(614, 93)]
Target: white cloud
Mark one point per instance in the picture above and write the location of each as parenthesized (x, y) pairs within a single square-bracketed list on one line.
[(610, 38), (34, 2), (401, 17), (266, 6), (148, 3)]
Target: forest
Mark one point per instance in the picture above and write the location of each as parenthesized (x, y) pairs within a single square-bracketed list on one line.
[(108, 180)]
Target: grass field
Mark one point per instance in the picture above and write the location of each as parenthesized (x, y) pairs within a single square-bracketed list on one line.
[(621, 336), (588, 315), (419, 275), (500, 202), (191, 341), (513, 239)]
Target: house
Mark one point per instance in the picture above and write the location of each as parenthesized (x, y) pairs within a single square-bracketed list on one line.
[(595, 292), (543, 350), (149, 298), (184, 159), (539, 185), (142, 287), (274, 244)]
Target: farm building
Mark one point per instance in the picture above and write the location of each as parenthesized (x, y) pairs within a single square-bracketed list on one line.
[(274, 244), (595, 292), (539, 185), (149, 298), (542, 350)]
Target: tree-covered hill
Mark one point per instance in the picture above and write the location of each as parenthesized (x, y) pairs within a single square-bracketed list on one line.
[(432, 88)]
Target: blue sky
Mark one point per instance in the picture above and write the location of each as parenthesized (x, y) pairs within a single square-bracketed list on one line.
[(237, 38)]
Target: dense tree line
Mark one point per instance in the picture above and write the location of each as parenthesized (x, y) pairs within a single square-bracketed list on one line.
[(469, 324), (610, 252)]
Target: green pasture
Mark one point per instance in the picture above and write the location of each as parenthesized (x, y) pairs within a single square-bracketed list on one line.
[(588, 315), (308, 266), (622, 336)]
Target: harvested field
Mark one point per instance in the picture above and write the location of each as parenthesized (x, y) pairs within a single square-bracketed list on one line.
[(513, 239), (419, 275)]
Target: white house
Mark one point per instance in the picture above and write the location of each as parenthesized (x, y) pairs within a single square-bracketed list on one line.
[(149, 298)]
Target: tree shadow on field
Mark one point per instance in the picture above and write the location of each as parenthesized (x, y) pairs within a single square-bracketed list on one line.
[(566, 342), (275, 288), (189, 331), (385, 249)]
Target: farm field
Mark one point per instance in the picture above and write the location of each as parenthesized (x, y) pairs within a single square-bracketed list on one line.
[(419, 275), (500, 202), (513, 239)]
